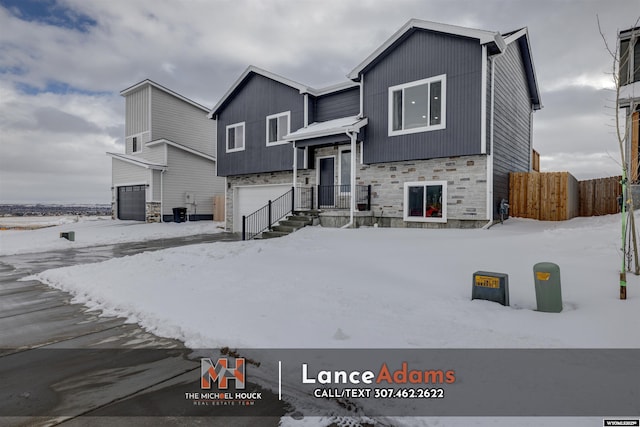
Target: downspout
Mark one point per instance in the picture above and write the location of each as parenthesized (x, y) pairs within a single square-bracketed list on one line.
[(490, 148), (352, 204), (162, 195)]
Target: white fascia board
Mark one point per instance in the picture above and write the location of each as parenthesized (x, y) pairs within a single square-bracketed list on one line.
[(333, 88), (309, 133), (145, 82), (483, 36), (181, 147), (253, 69), (136, 161)]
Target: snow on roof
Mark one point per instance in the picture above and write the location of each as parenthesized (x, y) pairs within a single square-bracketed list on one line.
[(330, 127), (137, 161)]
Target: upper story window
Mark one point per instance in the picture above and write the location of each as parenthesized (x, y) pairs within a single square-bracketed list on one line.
[(418, 106), (630, 58), (235, 137), (278, 127), (135, 145)]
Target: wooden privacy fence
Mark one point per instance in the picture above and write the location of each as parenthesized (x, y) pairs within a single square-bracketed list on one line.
[(558, 196)]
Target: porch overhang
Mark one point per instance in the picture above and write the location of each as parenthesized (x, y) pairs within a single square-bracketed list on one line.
[(321, 131)]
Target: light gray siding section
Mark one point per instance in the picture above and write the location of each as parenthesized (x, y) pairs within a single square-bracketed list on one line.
[(253, 101), (512, 121), (181, 122), (137, 112), (142, 139), (128, 174), (189, 173), (336, 105), (423, 54), (155, 154), (156, 185)]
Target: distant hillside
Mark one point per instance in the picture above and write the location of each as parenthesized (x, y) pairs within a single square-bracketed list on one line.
[(53, 209)]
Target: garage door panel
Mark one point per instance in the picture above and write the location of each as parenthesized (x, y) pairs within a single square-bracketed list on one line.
[(131, 202), (250, 199)]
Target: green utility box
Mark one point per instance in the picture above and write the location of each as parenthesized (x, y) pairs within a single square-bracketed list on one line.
[(548, 292), (69, 235)]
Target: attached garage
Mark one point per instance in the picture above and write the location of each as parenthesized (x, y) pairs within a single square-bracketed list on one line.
[(247, 200), (131, 202)]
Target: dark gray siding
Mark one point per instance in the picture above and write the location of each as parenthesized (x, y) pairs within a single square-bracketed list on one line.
[(336, 105), (422, 55), (256, 99), (512, 121)]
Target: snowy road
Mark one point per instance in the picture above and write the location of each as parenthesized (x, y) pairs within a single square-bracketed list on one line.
[(61, 361)]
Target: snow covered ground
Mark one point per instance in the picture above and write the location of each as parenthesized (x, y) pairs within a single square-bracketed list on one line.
[(89, 231), (372, 288)]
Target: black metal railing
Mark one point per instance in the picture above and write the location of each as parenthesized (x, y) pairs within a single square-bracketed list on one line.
[(264, 218), (304, 198), (339, 197)]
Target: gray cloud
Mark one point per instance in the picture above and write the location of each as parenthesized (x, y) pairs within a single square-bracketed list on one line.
[(57, 141)]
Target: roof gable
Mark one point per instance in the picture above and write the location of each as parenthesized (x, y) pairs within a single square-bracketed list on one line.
[(484, 37), (151, 83), (522, 38)]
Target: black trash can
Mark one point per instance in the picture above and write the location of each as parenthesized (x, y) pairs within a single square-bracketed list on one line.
[(179, 214)]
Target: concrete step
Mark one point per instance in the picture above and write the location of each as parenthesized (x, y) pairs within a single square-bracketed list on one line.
[(273, 234), (284, 228), (308, 212), (292, 222), (303, 218)]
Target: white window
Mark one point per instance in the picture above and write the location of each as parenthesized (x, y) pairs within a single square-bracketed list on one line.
[(235, 137), (425, 201), (134, 144), (418, 106), (278, 127), (345, 171)]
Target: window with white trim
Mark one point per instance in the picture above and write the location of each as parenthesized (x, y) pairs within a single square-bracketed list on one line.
[(134, 144), (425, 201), (345, 171), (235, 137), (418, 106), (278, 125)]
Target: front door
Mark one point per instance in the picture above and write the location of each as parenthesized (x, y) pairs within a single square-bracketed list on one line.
[(326, 189)]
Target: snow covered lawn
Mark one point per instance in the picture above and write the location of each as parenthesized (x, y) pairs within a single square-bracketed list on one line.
[(90, 231), (370, 288)]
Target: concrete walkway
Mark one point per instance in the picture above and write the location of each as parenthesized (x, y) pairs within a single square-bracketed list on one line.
[(60, 363)]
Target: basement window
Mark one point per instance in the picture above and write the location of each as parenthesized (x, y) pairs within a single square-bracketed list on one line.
[(425, 201)]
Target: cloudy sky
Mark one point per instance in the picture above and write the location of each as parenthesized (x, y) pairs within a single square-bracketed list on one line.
[(64, 62)]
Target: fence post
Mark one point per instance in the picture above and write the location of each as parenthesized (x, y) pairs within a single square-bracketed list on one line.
[(244, 227), (293, 199), (269, 215), (369, 197), (312, 198)]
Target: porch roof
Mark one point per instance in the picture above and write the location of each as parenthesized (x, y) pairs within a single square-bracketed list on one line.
[(328, 128)]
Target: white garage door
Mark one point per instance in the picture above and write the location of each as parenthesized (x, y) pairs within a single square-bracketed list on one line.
[(247, 200)]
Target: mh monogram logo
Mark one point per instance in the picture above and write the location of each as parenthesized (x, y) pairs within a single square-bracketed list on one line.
[(221, 372)]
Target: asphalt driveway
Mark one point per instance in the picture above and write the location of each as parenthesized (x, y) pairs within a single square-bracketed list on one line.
[(61, 363)]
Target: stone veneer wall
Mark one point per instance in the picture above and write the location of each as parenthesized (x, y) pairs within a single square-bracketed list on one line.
[(153, 211), (466, 187)]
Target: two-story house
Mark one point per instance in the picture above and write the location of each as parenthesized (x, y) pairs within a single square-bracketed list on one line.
[(169, 160), (423, 133)]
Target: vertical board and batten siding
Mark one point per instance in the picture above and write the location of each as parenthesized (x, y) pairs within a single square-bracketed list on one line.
[(256, 99), (336, 105), (189, 173), (124, 173), (423, 54), (137, 112), (181, 122), (511, 121)]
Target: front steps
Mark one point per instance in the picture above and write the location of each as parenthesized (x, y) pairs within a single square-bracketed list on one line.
[(294, 222)]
